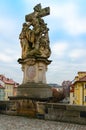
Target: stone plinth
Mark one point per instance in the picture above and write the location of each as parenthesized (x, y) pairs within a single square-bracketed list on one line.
[(34, 69), (34, 80), (34, 90)]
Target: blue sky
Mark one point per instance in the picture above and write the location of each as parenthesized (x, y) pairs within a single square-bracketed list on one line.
[(67, 24)]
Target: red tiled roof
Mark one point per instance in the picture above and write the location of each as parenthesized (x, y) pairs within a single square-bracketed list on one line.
[(83, 79), (7, 80)]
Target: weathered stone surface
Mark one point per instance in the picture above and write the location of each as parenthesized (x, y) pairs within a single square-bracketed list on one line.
[(35, 47), (76, 107), (34, 40), (36, 50), (34, 90), (34, 69), (34, 37), (72, 113), (66, 115), (31, 108)]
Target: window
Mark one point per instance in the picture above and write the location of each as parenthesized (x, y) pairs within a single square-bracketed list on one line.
[(85, 98), (84, 85), (73, 102), (76, 87)]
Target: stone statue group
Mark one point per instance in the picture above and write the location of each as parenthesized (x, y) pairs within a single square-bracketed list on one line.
[(34, 37)]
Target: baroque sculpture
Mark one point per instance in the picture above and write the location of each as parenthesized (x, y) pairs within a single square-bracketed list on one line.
[(34, 40), (34, 37)]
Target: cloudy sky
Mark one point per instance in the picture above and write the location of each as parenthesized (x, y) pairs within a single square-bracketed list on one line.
[(67, 24)]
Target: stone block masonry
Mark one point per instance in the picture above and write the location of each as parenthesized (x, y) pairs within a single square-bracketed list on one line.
[(48, 111), (65, 113)]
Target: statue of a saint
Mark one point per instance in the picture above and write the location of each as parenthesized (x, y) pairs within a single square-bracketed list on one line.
[(34, 37)]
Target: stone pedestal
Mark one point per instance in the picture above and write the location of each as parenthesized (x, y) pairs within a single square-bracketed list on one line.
[(34, 79), (33, 88), (37, 91), (34, 69), (34, 42)]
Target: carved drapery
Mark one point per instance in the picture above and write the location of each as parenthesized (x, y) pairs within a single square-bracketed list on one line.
[(34, 37)]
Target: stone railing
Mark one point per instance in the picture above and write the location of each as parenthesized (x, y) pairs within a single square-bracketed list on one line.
[(64, 113), (48, 111)]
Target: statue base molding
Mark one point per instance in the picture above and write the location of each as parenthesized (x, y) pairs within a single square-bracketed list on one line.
[(34, 90), (34, 69), (28, 95)]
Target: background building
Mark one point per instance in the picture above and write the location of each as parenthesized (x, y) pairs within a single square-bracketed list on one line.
[(79, 89), (2, 93), (72, 94), (9, 86)]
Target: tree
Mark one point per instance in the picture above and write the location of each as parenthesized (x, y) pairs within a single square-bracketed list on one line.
[(58, 95), (66, 87)]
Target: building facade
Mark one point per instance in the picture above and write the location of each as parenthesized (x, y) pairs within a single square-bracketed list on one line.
[(2, 93), (9, 86), (78, 93), (72, 94)]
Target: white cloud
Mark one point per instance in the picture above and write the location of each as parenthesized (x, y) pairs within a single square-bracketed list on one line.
[(8, 55), (7, 25), (59, 48), (9, 51), (75, 26), (64, 70), (5, 58), (77, 53), (66, 16)]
